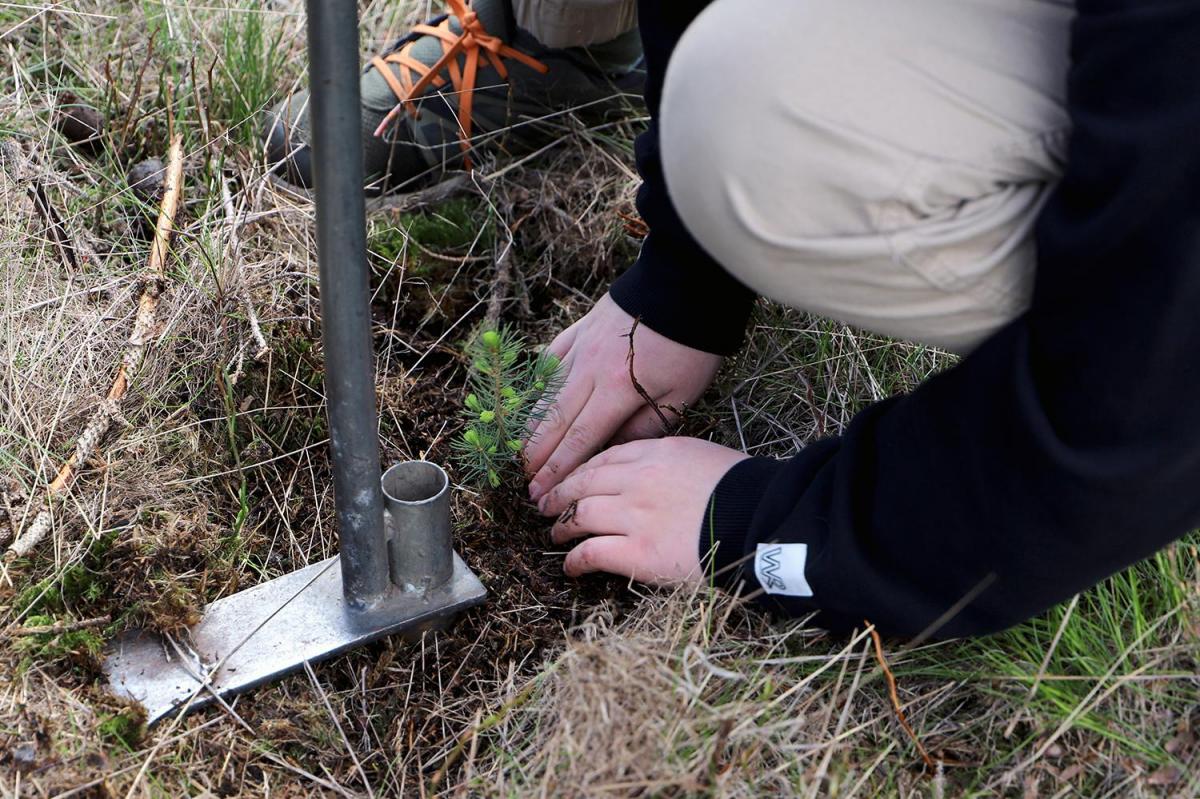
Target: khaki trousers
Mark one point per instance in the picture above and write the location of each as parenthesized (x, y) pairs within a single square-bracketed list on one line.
[(875, 161), (575, 23)]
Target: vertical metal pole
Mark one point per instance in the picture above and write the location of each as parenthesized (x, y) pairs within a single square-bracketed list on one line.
[(345, 296)]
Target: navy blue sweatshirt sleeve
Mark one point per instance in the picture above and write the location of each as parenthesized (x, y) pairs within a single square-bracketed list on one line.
[(1064, 448), (674, 286)]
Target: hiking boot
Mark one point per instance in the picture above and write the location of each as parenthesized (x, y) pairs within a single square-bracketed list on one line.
[(437, 97)]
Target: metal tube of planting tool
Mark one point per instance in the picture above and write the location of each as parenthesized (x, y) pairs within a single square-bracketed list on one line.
[(345, 297), (417, 520), (271, 629)]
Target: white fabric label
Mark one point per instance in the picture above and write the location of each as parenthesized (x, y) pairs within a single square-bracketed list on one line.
[(780, 569)]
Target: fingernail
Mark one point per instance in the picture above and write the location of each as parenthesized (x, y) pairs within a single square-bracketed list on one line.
[(535, 492), (542, 504)]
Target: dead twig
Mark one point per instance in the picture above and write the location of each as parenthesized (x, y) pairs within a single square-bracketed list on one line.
[(891, 681), (499, 293), (54, 224), (638, 387), (10, 519), (135, 95), (143, 329), (408, 201), (634, 225), (488, 723), (718, 763), (568, 515), (811, 397), (23, 170), (243, 293), (503, 280), (59, 627)]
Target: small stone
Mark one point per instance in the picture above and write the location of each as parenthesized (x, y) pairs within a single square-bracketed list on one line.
[(1179, 743), (1167, 775), (24, 756), (146, 179), (78, 122)]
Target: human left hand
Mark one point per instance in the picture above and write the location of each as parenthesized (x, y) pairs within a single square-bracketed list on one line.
[(643, 503)]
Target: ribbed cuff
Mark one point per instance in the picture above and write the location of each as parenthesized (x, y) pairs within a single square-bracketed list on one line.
[(731, 511)]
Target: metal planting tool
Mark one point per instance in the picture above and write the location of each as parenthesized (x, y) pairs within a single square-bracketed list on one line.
[(396, 571)]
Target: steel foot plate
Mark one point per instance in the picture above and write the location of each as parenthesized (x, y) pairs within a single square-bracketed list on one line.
[(267, 631)]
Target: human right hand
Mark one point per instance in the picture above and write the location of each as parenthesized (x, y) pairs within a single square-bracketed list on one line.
[(598, 403)]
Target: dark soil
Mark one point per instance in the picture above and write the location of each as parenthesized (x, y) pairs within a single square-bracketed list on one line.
[(425, 692), (158, 566)]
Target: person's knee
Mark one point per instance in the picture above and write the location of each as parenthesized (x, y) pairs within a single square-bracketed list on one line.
[(738, 162), (575, 23), (834, 156)]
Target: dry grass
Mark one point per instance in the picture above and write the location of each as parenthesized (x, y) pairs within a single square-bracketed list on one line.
[(688, 696), (215, 478)]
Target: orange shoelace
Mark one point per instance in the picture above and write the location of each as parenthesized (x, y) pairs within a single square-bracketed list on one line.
[(473, 39)]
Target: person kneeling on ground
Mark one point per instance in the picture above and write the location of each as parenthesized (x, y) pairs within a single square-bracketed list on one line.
[(1015, 182)]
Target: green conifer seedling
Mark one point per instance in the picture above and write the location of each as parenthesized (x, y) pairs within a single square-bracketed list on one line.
[(509, 388)]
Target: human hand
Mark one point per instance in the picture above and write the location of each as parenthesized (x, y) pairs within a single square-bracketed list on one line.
[(645, 503), (598, 403)]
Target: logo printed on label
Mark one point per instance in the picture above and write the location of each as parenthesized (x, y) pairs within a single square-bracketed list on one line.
[(780, 569)]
